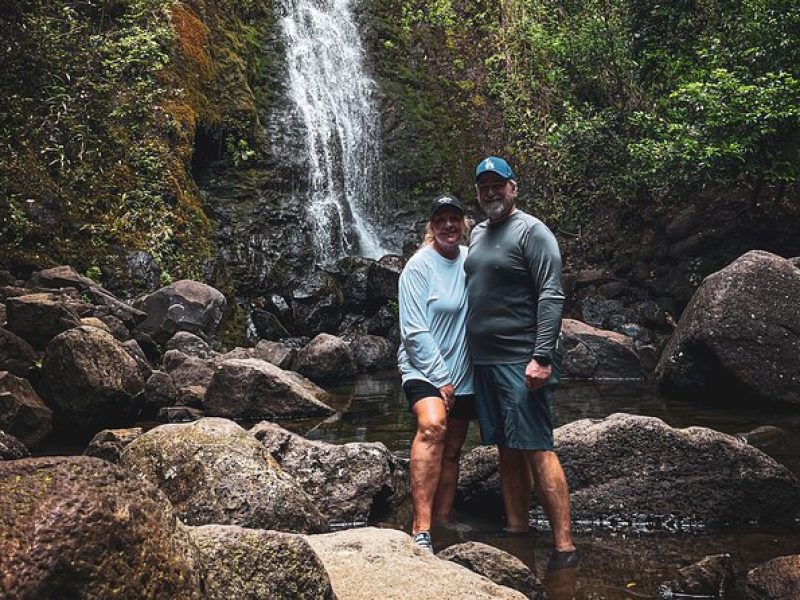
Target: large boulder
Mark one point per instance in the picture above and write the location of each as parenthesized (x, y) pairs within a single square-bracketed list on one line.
[(16, 355), (91, 381), (22, 412), (369, 563), (278, 354), (354, 482), (79, 527), (185, 305), (255, 389), (628, 471), (213, 472), (325, 358), (190, 345), (38, 318), (383, 277), (495, 564), (776, 579), (739, 337), (595, 354), (60, 277), (253, 563)]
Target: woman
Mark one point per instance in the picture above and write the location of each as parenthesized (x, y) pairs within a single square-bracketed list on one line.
[(435, 364)]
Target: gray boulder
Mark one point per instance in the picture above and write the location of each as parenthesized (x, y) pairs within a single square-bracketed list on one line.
[(159, 391), (354, 482), (739, 338), (91, 381), (185, 305), (22, 412), (256, 389), (595, 354), (325, 358), (497, 565), (213, 472), (253, 563), (383, 277), (16, 355), (634, 472), (38, 318), (368, 563), (80, 527)]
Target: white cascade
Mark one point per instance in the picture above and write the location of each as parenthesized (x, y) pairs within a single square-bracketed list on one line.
[(337, 103)]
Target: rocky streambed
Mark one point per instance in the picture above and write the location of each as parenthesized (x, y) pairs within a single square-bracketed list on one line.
[(224, 497)]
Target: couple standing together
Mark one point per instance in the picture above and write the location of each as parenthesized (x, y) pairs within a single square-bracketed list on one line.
[(479, 329)]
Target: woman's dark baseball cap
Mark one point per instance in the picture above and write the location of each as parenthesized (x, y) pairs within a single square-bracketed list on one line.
[(496, 165), (444, 202)]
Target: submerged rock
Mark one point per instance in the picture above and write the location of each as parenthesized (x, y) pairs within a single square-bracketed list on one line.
[(213, 472), (80, 527), (712, 577), (497, 565)]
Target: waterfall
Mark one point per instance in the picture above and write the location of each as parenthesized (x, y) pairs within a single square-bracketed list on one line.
[(337, 104)]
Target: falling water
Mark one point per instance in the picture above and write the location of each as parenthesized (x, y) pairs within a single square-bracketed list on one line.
[(336, 100)]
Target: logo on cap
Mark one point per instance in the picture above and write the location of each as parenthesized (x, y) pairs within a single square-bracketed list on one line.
[(488, 165)]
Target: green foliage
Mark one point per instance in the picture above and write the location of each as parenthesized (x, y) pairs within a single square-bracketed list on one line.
[(94, 273)]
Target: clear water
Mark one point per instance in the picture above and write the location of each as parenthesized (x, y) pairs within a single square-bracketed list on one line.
[(337, 103), (614, 565)]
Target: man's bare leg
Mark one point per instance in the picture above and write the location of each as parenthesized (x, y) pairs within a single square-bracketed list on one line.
[(515, 478), (426, 458), (448, 479), (553, 492)]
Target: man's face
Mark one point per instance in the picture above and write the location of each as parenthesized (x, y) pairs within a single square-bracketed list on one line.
[(496, 195)]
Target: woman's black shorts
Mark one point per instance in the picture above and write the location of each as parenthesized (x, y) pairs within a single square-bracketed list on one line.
[(463, 408)]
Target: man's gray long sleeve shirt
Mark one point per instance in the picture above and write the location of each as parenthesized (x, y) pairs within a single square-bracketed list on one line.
[(514, 290)]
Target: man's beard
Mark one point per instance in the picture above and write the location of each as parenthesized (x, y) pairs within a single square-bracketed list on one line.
[(496, 209)]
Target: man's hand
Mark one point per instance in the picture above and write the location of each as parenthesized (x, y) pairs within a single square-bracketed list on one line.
[(536, 375), (448, 395)]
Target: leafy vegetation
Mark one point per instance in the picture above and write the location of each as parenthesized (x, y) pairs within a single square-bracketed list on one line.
[(611, 102)]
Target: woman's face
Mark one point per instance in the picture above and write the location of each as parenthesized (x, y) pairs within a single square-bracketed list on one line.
[(448, 227)]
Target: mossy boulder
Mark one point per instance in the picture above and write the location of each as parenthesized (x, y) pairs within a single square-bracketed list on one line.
[(80, 527)]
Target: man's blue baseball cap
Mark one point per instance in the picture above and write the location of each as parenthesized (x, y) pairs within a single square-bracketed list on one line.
[(496, 165)]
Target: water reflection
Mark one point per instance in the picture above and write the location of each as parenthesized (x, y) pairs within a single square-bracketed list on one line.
[(613, 565)]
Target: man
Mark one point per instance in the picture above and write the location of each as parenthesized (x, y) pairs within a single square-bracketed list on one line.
[(515, 302)]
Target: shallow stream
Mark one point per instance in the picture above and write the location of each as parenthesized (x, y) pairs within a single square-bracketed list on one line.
[(614, 565)]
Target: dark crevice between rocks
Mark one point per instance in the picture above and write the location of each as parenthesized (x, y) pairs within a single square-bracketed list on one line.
[(381, 507)]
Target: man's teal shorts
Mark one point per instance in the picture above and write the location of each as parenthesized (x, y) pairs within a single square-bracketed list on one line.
[(509, 414)]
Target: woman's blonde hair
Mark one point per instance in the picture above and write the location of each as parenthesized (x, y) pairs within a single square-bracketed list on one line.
[(427, 238)]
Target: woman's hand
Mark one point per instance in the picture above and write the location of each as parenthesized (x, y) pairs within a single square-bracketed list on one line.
[(447, 393)]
